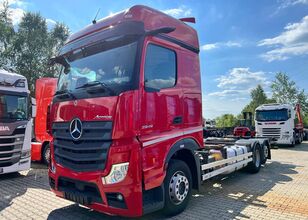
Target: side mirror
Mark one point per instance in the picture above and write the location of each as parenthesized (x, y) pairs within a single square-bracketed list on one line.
[(33, 105), (164, 30)]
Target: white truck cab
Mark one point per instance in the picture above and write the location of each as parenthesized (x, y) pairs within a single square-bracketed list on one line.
[(276, 121), (15, 123)]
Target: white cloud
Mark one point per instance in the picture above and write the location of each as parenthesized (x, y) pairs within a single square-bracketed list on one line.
[(180, 12), (233, 91), (292, 42), (16, 11), (16, 15), (50, 23), (208, 46), (242, 79), (218, 45), (289, 3)]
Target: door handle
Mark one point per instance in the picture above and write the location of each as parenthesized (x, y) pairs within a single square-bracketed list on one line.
[(177, 120)]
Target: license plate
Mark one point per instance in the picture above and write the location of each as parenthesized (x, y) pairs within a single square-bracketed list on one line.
[(1, 170)]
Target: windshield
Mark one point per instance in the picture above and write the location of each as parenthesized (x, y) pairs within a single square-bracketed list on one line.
[(13, 108), (111, 64), (272, 115)]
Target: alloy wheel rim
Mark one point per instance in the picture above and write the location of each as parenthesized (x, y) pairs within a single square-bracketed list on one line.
[(178, 187)]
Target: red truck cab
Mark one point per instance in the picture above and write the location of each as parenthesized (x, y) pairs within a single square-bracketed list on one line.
[(126, 117), (44, 90)]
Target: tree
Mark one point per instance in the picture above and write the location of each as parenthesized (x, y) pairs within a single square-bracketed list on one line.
[(285, 91), (258, 97), (6, 36), (28, 48), (305, 120), (34, 45), (226, 120)]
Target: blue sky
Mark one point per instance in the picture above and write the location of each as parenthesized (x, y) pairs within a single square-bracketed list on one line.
[(242, 42)]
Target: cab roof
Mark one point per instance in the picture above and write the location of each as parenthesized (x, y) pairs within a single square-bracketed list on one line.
[(8, 79), (274, 106), (152, 19)]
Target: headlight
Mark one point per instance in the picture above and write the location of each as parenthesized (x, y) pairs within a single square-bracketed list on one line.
[(22, 126), (53, 168), (117, 174), (25, 154)]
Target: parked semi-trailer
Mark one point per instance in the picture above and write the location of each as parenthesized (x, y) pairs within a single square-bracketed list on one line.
[(15, 123), (126, 118), (281, 122), (44, 90)]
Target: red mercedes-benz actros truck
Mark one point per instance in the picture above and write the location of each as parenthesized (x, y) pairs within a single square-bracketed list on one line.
[(126, 118)]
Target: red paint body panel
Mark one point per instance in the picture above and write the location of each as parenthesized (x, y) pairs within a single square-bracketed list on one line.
[(36, 151), (142, 121), (44, 91)]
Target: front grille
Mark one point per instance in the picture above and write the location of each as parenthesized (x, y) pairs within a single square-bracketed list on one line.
[(10, 149), (89, 153), (271, 132)]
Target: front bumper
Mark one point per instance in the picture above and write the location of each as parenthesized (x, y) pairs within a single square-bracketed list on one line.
[(21, 165), (88, 189), (283, 141)]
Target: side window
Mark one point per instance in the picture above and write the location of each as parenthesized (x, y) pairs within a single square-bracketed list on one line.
[(160, 68)]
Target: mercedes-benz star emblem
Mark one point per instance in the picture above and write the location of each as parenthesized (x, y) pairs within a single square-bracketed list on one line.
[(76, 129)]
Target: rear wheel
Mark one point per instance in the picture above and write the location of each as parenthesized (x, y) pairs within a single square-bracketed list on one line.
[(265, 154), (255, 165), (177, 183), (293, 143), (248, 134), (46, 154)]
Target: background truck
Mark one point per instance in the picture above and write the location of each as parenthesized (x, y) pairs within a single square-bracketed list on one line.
[(245, 128), (281, 122), (15, 123), (126, 118), (44, 90)]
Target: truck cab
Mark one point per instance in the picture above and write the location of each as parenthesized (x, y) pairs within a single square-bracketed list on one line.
[(15, 123), (129, 94), (276, 121)]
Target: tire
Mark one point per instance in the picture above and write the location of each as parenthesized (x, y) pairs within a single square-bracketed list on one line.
[(255, 165), (248, 134), (265, 154), (293, 142), (46, 154), (178, 187)]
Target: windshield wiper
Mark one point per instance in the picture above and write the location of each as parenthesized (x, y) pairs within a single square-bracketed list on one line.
[(96, 83), (65, 92)]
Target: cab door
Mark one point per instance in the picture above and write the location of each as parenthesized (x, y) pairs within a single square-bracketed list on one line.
[(161, 108)]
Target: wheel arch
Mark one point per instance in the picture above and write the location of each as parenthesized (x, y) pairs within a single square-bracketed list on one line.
[(184, 150)]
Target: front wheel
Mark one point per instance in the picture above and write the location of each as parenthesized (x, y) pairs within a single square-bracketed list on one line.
[(177, 184)]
